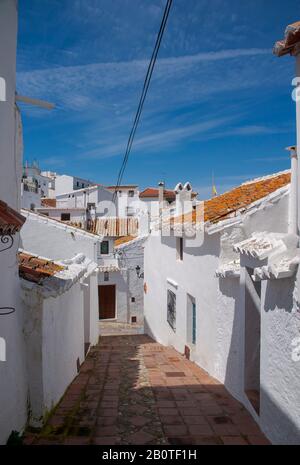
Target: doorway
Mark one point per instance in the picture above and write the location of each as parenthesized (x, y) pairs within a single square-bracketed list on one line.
[(107, 302)]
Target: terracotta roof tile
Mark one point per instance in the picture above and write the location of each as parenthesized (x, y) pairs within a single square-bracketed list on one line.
[(152, 192), (227, 204), (11, 221), (291, 38), (48, 202), (115, 227), (124, 239), (36, 269)]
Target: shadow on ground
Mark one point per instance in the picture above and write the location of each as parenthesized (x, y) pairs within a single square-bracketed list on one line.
[(132, 390)]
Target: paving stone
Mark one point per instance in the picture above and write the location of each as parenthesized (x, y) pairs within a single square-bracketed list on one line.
[(234, 441), (139, 420), (123, 396), (140, 437)]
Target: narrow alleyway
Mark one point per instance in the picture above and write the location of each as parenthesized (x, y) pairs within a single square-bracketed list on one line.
[(131, 390)]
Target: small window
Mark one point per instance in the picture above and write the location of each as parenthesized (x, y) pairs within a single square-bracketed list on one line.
[(77, 184), (65, 216), (179, 249), (82, 185), (106, 276), (171, 309), (132, 299), (130, 193), (104, 247), (32, 206)]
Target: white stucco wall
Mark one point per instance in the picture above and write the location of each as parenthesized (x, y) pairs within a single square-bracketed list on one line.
[(57, 241), (76, 216), (30, 198), (280, 365), (54, 336), (220, 319), (132, 255), (13, 386)]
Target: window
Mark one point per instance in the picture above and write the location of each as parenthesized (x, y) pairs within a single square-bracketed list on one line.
[(130, 193), (171, 310), (91, 206), (82, 185), (132, 299), (129, 211), (104, 247), (191, 320), (65, 216), (77, 183), (106, 276), (179, 249)]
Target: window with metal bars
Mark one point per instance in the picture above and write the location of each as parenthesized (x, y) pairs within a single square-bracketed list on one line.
[(171, 310)]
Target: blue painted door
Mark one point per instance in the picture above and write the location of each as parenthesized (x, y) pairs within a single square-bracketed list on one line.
[(193, 323)]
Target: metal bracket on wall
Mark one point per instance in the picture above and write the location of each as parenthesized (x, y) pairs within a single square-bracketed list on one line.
[(7, 240)]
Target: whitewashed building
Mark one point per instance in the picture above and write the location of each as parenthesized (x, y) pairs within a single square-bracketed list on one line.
[(34, 187), (13, 378), (121, 285), (60, 318), (127, 199), (66, 183), (226, 297)]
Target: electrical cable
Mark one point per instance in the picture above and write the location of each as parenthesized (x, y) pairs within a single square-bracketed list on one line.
[(143, 95)]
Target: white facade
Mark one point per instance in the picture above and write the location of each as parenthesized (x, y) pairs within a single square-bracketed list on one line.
[(128, 281), (96, 199), (13, 385), (65, 183), (59, 326), (127, 200), (76, 216), (225, 334), (49, 238)]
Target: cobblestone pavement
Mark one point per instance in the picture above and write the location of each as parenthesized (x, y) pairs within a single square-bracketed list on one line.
[(131, 390), (112, 328)]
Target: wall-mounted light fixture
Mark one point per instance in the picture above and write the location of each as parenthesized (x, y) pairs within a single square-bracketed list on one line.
[(138, 271)]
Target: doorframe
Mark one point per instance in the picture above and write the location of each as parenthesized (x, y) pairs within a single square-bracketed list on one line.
[(116, 301)]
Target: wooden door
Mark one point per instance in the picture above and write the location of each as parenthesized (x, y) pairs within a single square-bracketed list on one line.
[(107, 301)]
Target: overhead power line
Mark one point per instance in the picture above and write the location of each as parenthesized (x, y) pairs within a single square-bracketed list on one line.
[(143, 95)]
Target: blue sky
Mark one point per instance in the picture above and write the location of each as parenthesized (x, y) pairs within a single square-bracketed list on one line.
[(219, 100)]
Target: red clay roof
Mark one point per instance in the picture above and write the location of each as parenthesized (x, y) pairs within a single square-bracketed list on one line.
[(124, 239), (292, 37), (11, 221), (36, 269), (152, 192), (226, 205), (48, 202), (114, 226)]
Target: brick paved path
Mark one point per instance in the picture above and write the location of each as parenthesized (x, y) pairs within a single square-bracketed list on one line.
[(131, 390)]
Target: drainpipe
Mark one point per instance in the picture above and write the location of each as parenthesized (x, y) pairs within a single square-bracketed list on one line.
[(297, 191), (293, 202), (161, 188)]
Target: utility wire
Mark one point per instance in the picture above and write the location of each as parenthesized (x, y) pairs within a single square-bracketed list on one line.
[(143, 95)]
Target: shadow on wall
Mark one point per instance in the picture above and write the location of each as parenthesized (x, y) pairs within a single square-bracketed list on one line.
[(209, 246), (276, 422), (230, 288), (279, 294)]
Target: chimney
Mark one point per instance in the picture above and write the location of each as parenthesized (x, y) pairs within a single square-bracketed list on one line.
[(293, 200), (161, 188), (183, 198)]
